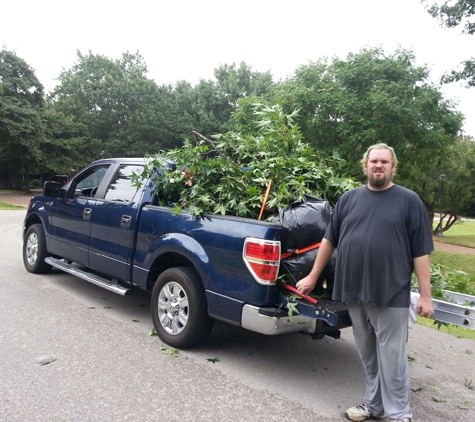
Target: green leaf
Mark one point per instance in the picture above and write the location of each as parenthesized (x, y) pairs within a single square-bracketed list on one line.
[(213, 360), (47, 361), (441, 400), (292, 309), (172, 353)]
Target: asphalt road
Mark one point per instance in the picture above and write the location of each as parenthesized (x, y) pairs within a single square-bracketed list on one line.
[(105, 366)]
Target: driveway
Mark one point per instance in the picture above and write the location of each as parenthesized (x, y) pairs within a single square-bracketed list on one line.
[(447, 247)]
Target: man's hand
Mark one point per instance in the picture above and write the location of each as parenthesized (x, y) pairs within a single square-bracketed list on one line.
[(425, 307), (306, 285)]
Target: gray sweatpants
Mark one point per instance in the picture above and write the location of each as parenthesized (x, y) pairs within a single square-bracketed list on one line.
[(381, 339)]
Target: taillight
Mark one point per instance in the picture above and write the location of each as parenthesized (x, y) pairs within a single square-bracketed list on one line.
[(262, 257)]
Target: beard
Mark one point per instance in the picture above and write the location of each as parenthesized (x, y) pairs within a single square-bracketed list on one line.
[(379, 182)]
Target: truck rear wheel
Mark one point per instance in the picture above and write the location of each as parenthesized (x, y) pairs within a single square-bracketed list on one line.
[(34, 250), (179, 309)]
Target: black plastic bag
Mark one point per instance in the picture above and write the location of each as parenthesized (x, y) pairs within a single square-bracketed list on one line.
[(304, 223), (299, 266)]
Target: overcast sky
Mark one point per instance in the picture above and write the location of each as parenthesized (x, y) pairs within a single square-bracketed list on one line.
[(187, 40)]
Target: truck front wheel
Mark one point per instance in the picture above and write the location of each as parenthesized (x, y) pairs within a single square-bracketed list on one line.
[(179, 310), (34, 250)]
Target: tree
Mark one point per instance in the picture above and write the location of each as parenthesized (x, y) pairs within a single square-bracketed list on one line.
[(208, 106), (118, 107), (235, 83), (64, 149), (457, 165), (124, 113), (21, 124), (450, 14), (348, 105)]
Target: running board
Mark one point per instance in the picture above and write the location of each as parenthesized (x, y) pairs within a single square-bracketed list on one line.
[(92, 278)]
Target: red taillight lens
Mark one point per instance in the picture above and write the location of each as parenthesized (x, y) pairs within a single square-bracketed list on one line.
[(266, 251), (264, 271), (262, 257)]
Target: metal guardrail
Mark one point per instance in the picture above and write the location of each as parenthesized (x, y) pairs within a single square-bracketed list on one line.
[(459, 310)]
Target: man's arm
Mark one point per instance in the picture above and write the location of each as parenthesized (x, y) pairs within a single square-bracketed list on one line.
[(308, 283), (425, 306)]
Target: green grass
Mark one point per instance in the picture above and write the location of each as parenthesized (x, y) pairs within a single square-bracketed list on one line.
[(5, 206), (454, 330), (454, 261), (461, 234)]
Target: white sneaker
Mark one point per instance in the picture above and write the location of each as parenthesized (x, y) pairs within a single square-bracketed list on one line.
[(361, 413)]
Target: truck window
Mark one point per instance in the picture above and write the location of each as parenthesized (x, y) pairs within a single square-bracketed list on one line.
[(121, 188), (87, 184)]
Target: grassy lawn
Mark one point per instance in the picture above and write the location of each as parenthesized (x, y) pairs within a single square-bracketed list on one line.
[(454, 261), (454, 330), (462, 234), (4, 206)]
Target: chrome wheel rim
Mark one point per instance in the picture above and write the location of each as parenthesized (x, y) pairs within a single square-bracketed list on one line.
[(32, 249), (173, 308)]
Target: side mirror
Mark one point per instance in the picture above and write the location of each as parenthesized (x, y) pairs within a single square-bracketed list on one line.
[(52, 189)]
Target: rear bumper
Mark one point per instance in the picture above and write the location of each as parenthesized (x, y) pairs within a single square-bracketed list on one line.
[(256, 319), (325, 317)]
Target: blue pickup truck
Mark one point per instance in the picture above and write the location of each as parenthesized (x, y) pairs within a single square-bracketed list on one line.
[(101, 228)]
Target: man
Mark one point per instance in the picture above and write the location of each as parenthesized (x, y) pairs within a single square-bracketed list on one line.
[(383, 233)]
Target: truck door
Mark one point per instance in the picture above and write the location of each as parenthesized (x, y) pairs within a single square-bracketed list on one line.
[(71, 220), (113, 222)]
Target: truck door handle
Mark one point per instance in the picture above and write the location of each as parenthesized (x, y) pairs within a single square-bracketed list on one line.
[(125, 221), (86, 215)]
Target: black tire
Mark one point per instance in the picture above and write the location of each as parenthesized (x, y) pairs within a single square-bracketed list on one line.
[(179, 309), (34, 250)]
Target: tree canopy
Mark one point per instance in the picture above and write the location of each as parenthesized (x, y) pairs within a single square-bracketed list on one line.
[(451, 14), (370, 97), (116, 105), (124, 113), (21, 124)]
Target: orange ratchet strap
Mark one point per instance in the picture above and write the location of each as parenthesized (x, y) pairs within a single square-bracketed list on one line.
[(300, 251)]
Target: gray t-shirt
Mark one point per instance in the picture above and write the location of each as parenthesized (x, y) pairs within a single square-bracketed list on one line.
[(378, 234)]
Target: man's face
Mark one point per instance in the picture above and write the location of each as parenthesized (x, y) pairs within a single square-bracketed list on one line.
[(379, 169)]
